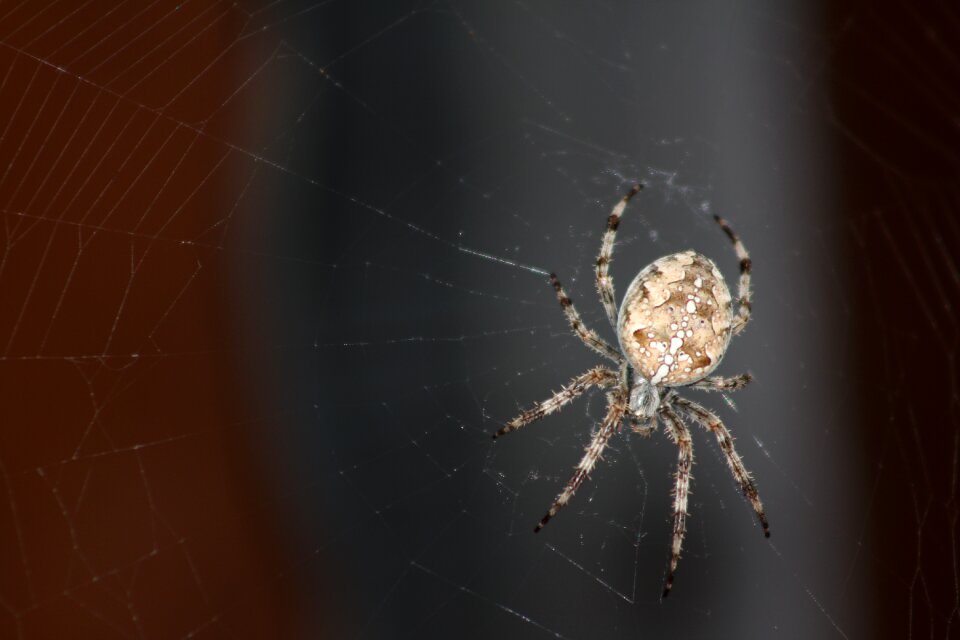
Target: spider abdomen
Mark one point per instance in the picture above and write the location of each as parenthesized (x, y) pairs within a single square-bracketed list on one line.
[(675, 322)]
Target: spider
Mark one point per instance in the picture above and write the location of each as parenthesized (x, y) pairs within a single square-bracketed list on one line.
[(674, 327)]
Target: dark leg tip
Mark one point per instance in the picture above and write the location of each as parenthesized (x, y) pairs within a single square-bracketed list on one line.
[(766, 533), (666, 592), (543, 523), (495, 436)]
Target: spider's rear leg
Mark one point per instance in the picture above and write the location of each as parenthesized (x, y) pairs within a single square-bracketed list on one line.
[(600, 377), (604, 282), (744, 294), (615, 412), (589, 337)]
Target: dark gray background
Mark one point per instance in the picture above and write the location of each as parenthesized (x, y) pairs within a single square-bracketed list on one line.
[(450, 152)]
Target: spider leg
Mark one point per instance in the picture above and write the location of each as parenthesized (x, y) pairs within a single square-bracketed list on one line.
[(599, 377), (719, 383), (604, 282), (744, 293), (710, 420), (681, 436), (589, 337), (616, 409)]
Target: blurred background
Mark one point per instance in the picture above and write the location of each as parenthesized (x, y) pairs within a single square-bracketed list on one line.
[(273, 272)]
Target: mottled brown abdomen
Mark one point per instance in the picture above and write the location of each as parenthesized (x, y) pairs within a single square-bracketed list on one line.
[(675, 320)]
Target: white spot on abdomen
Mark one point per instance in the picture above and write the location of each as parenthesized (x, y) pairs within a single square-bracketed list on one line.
[(661, 374)]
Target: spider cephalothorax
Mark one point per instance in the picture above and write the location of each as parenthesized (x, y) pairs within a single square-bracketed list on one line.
[(674, 327)]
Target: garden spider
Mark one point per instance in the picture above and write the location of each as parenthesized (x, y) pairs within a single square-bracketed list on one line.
[(674, 327)]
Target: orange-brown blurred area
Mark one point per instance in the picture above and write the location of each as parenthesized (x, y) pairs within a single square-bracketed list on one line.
[(130, 504), (894, 79)]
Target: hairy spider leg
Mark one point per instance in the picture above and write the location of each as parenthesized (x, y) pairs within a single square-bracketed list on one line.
[(604, 281), (589, 337), (681, 492), (744, 294), (713, 423), (720, 383), (616, 409), (598, 377)]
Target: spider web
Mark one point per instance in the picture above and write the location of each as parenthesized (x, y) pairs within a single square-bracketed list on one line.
[(273, 272)]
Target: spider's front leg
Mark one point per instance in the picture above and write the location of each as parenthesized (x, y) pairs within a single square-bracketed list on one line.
[(599, 377), (616, 409), (713, 423), (681, 492)]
